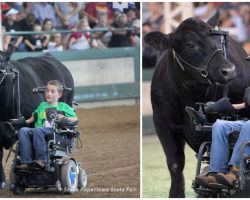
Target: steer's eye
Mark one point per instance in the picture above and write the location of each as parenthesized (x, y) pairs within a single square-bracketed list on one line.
[(190, 45)]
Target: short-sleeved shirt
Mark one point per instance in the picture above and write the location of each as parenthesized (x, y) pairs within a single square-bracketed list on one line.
[(41, 115)]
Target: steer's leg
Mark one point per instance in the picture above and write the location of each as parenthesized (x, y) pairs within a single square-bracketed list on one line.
[(2, 176), (173, 146)]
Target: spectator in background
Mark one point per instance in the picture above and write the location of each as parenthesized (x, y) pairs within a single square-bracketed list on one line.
[(28, 22), (25, 10), (11, 25), (67, 14), (149, 56), (27, 25), (47, 26), (81, 40), (156, 17), (120, 38), (131, 16), (155, 22), (232, 19), (44, 10), (136, 32), (36, 42), (55, 43), (100, 36), (206, 10), (96, 9)]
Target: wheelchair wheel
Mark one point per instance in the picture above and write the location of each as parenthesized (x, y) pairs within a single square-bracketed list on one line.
[(82, 179), (69, 177), (17, 189)]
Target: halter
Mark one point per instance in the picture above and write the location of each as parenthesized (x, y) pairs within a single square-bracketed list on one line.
[(204, 69), (15, 90)]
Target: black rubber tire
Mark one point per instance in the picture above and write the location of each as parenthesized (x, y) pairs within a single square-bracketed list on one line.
[(14, 186), (17, 190)]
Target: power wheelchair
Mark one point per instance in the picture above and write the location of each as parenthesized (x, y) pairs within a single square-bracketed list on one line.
[(61, 171), (202, 121)]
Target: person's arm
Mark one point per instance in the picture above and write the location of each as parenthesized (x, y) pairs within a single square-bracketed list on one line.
[(72, 40), (76, 10), (239, 105), (28, 43), (45, 39), (58, 12), (30, 120), (18, 41)]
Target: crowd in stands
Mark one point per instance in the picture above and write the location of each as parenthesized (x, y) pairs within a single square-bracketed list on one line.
[(153, 20), (76, 21), (235, 17)]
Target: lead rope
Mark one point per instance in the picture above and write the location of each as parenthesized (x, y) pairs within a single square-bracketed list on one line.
[(8, 156)]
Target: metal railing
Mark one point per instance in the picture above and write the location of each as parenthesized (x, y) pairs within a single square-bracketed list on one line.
[(69, 31)]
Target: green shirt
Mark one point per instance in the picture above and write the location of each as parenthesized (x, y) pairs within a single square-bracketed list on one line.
[(41, 115)]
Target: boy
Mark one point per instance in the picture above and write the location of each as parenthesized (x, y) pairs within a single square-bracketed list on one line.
[(219, 164), (42, 127)]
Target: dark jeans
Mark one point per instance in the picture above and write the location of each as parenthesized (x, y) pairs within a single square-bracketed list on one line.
[(33, 140)]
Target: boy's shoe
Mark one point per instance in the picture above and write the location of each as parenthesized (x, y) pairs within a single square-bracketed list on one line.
[(206, 180), (37, 164), (227, 179), (22, 166)]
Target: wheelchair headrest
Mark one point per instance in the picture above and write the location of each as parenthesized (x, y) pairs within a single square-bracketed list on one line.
[(42, 89)]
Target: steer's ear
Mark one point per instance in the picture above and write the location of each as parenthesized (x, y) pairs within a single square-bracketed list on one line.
[(158, 40), (215, 19), (9, 51)]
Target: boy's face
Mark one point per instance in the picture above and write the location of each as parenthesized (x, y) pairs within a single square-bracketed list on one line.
[(52, 94)]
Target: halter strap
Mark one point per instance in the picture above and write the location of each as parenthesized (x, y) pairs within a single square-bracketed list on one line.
[(203, 71)]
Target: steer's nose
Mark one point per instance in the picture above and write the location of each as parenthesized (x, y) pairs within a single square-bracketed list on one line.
[(228, 72)]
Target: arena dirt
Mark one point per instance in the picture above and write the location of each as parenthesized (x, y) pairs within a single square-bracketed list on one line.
[(110, 154)]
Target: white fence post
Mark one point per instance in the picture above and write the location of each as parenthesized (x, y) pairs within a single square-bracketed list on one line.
[(175, 13)]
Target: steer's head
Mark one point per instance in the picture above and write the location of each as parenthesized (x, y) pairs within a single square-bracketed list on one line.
[(5, 57), (196, 49)]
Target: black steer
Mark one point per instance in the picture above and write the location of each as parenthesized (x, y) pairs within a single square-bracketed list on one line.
[(33, 72), (192, 68)]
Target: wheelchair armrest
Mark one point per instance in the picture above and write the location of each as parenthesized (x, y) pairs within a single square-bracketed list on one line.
[(195, 116), (203, 128), (66, 123)]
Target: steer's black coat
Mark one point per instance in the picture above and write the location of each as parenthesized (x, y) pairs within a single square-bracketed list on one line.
[(173, 88), (33, 72)]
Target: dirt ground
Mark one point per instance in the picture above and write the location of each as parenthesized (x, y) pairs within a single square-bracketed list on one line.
[(110, 154)]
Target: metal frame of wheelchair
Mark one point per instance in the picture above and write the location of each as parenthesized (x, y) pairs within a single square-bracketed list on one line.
[(62, 171), (241, 187)]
